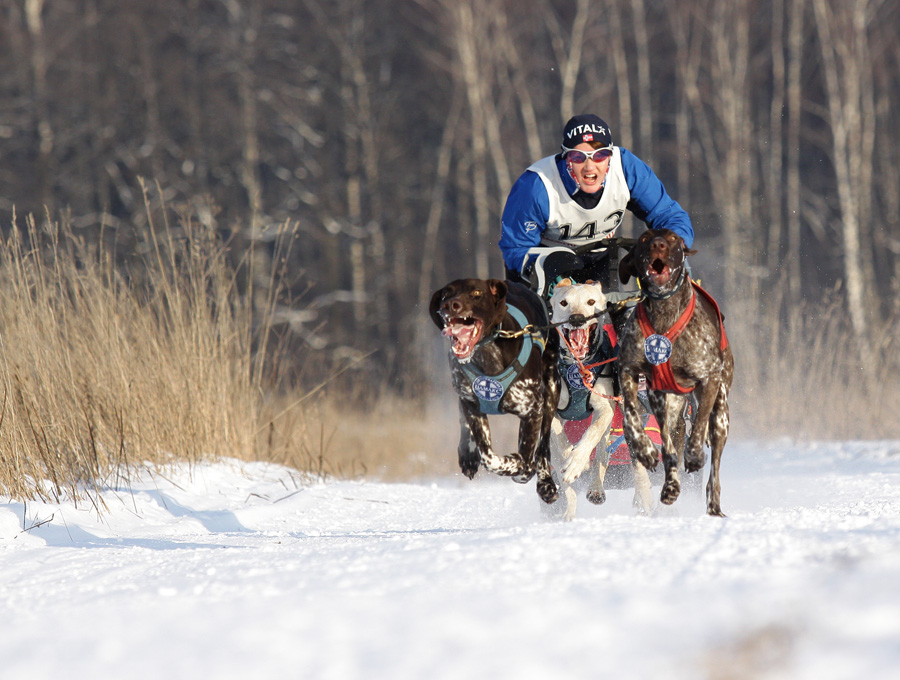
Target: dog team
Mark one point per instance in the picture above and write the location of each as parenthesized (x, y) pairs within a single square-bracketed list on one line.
[(559, 341)]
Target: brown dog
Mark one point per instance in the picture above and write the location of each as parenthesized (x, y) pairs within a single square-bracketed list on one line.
[(677, 340), (496, 369)]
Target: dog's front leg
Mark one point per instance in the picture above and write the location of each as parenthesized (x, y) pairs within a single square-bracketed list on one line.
[(529, 436), (718, 436), (475, 446), (643, 498), (580, 456), (639, 443), (474, 438), (668, 409), (568, 500), (596, 494), (694, 458), (546, 487)]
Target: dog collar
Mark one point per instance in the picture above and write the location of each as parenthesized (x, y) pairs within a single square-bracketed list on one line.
[(490, 388), (666, 296)]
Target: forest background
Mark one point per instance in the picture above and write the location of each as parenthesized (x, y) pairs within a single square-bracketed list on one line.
[(341, 159)]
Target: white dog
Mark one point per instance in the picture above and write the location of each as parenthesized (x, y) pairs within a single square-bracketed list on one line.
[(579, 309)]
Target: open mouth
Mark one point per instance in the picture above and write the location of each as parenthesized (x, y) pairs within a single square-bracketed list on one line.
[(464, 333), (578, 339), (659, 272), (590, 178)]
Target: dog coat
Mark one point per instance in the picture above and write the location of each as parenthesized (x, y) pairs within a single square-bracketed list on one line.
[(579, 406)]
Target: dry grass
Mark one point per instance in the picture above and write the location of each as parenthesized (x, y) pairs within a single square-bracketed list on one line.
[(811, 377), (386, 438), (101, 370)]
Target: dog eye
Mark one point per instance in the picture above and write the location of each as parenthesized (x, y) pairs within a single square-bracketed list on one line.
[(591, 303), (563, 304), (476, 293)]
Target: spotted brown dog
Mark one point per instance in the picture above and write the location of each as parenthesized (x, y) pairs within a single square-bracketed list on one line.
[(500, 365), (677, 339)]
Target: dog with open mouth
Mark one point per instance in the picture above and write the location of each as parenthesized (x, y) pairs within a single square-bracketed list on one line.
[(676, 339), (501, 363), (579, 312)]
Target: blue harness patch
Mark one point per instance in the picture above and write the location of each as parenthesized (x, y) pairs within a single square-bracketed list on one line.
[(657, 349)]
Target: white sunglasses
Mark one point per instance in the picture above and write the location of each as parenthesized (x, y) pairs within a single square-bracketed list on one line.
[(579, 156)]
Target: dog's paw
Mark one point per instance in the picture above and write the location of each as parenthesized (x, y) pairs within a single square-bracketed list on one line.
[(670, 491), (578, 461), (547, 490), (469, 465), (520, 471), (523, 477), (596, 496), (647, 456), (694, 460)]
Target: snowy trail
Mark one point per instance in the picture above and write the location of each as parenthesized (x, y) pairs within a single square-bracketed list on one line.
[(232, 571)]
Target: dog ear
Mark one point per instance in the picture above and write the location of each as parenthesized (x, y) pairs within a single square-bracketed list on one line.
[(627, 268), (563, 283), (684, 247), (435, 306), (498, 289)]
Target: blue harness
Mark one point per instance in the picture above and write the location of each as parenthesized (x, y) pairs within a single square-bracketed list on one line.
[(490, 388), (579, 406)]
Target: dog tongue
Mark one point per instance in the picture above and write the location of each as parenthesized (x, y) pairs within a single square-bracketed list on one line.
[(464, 338), (660, 276), (579, 341)]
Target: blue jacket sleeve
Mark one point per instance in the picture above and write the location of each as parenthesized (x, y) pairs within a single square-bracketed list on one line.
[(651, 203), (524, 219)]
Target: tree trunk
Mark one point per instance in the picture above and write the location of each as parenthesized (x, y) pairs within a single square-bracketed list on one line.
[(794, 188), (465, 40), (572, 65), (43, 126), (620, 65), (841, 72), (771, 143), (645, 101)]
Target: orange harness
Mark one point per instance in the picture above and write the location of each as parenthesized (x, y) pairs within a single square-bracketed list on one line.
[(658, 347)]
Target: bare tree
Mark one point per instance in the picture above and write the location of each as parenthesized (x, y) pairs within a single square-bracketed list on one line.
[(843, 33), (794, 98)]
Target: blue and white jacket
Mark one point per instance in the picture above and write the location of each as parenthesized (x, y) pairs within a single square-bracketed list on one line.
[(541, 204)]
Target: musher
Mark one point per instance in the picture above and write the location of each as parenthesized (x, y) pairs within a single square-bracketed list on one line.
[(579, 196)]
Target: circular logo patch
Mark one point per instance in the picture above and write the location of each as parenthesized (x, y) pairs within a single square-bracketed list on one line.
[(573, 377), (657, 349), (487, 388)]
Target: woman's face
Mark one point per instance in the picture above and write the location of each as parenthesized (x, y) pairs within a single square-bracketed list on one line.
[(590, 173)]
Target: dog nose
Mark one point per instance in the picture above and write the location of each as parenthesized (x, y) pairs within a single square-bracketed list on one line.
[(453, 305), (577, 320), (659, 245)]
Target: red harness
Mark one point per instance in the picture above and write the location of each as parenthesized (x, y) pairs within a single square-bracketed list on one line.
[(661, 377)]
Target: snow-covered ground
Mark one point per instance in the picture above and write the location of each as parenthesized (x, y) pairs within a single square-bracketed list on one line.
[(234, 570)]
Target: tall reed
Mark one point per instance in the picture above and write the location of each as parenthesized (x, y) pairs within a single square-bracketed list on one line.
[(104, 367), (809, 376)]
